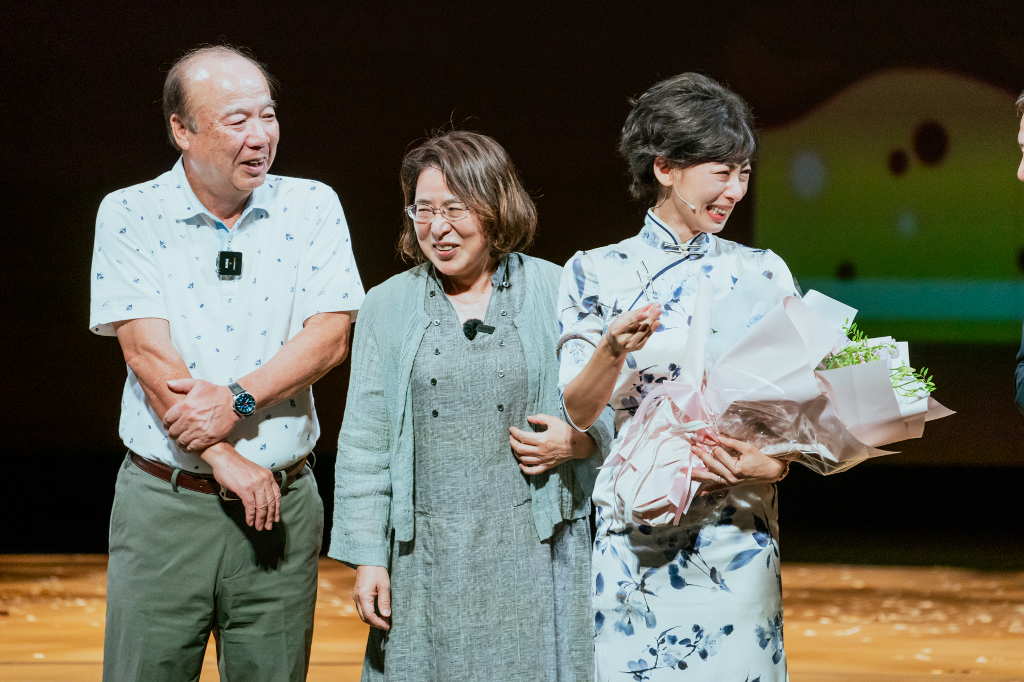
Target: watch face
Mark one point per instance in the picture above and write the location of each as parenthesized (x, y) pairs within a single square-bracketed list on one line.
[(245, 404)]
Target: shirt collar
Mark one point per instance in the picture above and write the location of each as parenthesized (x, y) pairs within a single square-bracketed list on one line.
[(503, 274), (658, 235), (188, 206)]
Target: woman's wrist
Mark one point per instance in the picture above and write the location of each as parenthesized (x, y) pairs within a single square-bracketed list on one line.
[(605, 348), (785, 471), (581, 445)]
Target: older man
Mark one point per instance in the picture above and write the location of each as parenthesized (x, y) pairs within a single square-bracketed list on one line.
[(230, 292)]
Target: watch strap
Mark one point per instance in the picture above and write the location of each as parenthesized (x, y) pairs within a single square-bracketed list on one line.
[(235, 388)]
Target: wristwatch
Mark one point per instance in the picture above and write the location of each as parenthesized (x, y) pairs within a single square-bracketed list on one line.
[(244, 404)]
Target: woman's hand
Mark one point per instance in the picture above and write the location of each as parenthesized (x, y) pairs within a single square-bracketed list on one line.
[(630, 331), (373, 582), (737, 463), (542, 450), (588, 394)]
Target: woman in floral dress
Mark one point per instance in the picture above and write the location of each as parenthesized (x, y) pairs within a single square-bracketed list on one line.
[(701, 600)]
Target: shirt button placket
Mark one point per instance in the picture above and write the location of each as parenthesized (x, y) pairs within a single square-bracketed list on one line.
[(433, 381)]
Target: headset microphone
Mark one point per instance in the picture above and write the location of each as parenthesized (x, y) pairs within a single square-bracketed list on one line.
[(692, 207)]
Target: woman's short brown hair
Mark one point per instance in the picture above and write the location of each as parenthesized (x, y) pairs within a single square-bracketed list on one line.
[(480, 173)]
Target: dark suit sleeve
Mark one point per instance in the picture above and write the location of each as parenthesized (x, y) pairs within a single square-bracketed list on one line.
[(1020, 376)]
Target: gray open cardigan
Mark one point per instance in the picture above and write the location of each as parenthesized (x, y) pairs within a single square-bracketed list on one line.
[(374, 477)]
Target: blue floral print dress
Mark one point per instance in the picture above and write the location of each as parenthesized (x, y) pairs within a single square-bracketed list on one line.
[(701, 600)]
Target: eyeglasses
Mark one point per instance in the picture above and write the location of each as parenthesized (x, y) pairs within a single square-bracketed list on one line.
[(424, 214)]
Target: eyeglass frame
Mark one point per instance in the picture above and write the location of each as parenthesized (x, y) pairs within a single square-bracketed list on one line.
[(412, 209)]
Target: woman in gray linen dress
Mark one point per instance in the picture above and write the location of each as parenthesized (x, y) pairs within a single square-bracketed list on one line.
[(462, 504)]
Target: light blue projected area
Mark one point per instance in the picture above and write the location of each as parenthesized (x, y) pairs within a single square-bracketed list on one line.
[(926, 299)]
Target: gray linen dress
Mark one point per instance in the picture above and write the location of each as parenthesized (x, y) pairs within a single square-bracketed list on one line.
[(475, 594)]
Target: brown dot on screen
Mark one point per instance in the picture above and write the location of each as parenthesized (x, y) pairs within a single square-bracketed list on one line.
[(931, 143), (899, 161), (845, 270)]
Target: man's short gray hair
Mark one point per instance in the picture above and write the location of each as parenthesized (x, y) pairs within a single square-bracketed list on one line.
[(177, 98)]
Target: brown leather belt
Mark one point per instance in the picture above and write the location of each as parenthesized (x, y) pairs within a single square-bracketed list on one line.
[(206, 484)]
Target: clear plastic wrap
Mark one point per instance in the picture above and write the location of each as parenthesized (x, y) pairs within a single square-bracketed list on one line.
[(808, 433)]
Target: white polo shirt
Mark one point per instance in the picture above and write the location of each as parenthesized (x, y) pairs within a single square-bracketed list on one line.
[(155, 256)]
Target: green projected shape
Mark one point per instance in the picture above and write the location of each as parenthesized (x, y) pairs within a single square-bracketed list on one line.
[(899, 197)]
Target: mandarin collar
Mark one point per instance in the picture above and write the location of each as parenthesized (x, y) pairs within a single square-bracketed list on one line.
[(658, 235)]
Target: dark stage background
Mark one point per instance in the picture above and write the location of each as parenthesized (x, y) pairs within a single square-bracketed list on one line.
[(81, 117)]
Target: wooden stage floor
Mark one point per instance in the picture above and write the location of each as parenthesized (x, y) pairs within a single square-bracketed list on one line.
[(843, 623)]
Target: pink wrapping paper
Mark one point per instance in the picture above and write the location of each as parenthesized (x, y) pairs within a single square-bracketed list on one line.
[(755, 380)]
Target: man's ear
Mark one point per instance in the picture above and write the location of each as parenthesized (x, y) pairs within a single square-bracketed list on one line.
[(180, 132)]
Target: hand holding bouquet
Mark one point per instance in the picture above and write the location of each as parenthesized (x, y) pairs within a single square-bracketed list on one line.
[(793, 377)]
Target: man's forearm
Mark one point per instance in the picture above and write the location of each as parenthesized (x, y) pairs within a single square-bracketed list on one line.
[(309, 355), (146, 345), (206, 416)]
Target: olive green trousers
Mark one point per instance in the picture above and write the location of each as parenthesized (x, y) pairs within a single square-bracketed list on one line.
[(184, 565)]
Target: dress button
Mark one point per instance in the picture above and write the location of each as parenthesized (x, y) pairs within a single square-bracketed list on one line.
[(503, 313), (437, 351), (502, 342), (437, 322), (434, 413), (433, 382), (433, 293), (501, 375), (501, 408)]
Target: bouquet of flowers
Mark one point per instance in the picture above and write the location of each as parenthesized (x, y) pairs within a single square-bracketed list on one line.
[(794, 377)]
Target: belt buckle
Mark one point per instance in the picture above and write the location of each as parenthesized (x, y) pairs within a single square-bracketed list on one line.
[(224, 493)]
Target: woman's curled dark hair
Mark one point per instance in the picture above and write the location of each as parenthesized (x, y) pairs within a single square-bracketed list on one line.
[(688, 119)]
